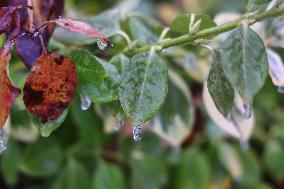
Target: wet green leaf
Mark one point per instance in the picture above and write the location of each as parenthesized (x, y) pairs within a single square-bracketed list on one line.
[(98, 80), (219, 87), (141, 32), (244, 61), (143, 90)]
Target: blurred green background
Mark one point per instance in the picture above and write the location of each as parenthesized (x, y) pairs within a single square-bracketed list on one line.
[(86, 152)]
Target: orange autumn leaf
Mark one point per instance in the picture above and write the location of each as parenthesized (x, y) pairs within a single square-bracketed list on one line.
[(50, 86), (8, 92)]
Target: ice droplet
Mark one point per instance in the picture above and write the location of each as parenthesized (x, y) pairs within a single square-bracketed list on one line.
[(280, 89), (85, 103), (246, 111), (118, 124), (102, 45), (3, 141), (137, 133)]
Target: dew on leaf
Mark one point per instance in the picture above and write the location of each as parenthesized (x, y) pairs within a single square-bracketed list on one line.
[(85, 103), (281, 89), (137, 132), (3, 141), (101, 44), (246, 113)]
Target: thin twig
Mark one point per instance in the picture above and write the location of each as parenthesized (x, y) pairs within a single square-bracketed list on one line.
[(211, 32)]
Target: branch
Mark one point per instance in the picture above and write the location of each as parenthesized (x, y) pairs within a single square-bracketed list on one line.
[(211, 32)]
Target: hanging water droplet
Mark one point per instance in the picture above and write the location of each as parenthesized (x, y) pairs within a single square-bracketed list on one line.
[(280, 89), (3, 141), (85, 103), (102, 45), (118, 124), (246, 111), (137, 133)]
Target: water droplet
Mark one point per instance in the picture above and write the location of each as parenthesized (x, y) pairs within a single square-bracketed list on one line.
[(118, 124), (280, 89), (246, 111), (85, 103), (3, 141), (102, 45), (137, 133)]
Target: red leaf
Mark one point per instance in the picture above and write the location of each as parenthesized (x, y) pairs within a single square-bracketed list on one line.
[(27, 47), (8, 92), (50, 86), (80, 27)]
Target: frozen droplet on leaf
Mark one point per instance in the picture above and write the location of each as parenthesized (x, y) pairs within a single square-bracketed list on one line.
[(3, 141), (280, 89), (85, 103), (102, 45), (246, 111), (118, 124), (137, 132)]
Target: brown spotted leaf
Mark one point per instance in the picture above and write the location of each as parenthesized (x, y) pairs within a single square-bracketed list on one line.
[(50, 86), (8, 92)]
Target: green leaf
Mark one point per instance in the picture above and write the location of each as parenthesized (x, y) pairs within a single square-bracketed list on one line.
[(42, 158), (47, 128), (90, 129), (143, 90), (273, 159), (107, 23), (193, 171), (180, 25), (241, 164), (244, 61), (219, 87), (148, 172), (141, 32), (122, 64), (89, 68), (98, 79), (108, 176), (175, 118), (253, 5), (10, 162), (73, 176)]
